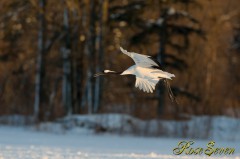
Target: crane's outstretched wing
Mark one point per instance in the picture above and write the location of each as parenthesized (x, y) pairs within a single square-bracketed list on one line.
[(140, 60), (147, 85)]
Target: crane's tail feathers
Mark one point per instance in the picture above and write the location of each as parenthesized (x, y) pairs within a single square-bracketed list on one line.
[(170, 93), (163, 74), (169, 75)]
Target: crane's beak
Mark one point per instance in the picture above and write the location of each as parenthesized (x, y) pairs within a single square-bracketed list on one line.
[(98, 74)]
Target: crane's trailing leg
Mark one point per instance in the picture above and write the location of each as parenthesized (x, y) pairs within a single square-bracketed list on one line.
[(170, 93)]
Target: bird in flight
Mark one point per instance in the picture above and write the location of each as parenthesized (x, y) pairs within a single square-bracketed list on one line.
[(147, 72)]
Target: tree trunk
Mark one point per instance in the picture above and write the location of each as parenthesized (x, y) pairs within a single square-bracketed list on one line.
[(161, 59), (67, 70), (99, 57), (90, 53), (77, 65), (40, 70)]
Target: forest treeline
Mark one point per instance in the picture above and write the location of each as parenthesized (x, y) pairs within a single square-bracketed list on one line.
[(50, 50)]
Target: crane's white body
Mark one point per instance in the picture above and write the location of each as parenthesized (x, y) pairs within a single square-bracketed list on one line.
[(146, 75), (149, 73)]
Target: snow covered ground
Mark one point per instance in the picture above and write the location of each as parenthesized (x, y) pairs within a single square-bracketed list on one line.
[(198, 127), (26, 143)]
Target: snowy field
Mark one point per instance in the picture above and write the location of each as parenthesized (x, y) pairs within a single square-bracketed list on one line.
[(24, 143)]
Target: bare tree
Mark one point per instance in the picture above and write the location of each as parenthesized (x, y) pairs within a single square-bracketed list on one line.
[(40, 72), (67, 68), (90, 56), (99, 53)]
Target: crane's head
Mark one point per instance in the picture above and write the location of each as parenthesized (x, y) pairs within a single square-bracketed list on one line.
[(105, 72)]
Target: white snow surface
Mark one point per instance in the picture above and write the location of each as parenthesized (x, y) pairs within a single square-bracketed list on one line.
[(115, 136), (26, 143), (199, 127)]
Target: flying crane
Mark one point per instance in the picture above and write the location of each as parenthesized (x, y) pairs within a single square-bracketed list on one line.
[(147, 72)]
